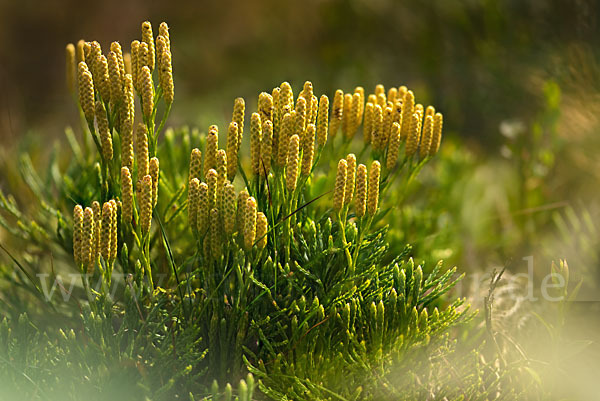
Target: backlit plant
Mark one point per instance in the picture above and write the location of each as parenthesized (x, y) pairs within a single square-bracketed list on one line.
[(268, 261)]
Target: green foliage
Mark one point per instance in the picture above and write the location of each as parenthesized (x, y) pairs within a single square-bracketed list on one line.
[(334, 307), (310, 326)]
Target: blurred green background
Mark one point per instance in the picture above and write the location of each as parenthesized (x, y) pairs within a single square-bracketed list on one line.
[(479, 61)]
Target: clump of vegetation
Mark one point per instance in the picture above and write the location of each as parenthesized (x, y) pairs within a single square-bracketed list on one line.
[(192, 266)]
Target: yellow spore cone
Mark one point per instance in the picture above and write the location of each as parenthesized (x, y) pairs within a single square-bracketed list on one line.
[(361, 104), (285, 134), (412, 141), (79, 52), (70, 67), (163, 30), (193, 202), (106, 236), (154, 173), (115, 47), (203, 209), (77, 234), (241, 210), (86, 92), (87, 247), (265, 107), (427, 137), (255, 142), (266, 148), (368, 125), (142, 60), (97, 229), (340, 185), (314, 107), (356, 110), (392, 94), (337, 113), (250, 223), (126, 125), (276, 124), (221, 177), (300, 124), (438, 121), (113, 230), (291, 169), (229, 209), (146, 204), (212, 146), (166, 76), (262, 226), (212, 179), (148, 38), (350, 177), (347, 116), (141, 142), (126, 196), (195, 164), (307, 90), (115, 80), (147, 88), (430, 111), (377, 128), (286, 98), (360, 200), (239, 107), (232, 150), (393, 146), (323, 120), (408, 106), (308, 150), (387, 125), (373, 189), (103, 80)]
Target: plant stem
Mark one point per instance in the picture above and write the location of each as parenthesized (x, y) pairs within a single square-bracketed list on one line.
[(361, 235), (344, 242), (148, 265)]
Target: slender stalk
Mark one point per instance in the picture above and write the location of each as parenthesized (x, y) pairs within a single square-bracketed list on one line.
[(344, 241), (148, 264), (162, 124), (361, 235), (286, 233)]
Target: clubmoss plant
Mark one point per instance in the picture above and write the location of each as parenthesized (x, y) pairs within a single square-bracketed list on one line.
[(265, 263)]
